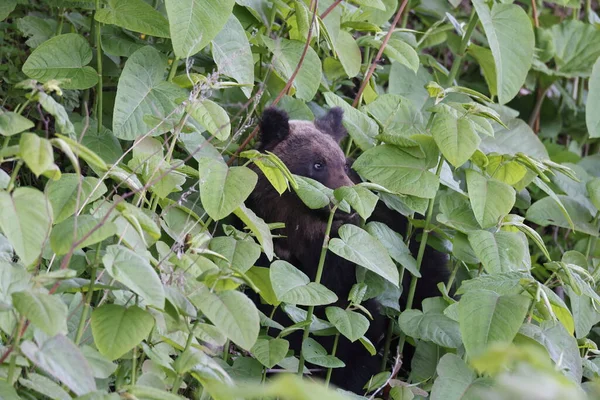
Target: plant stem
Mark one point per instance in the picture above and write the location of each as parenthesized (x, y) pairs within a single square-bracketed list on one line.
[(452, 276), (473, 19), (588, 248), (13, 176), (188, 343), (420, 254), (99, 68), (134, 366), (173, 69), (333, 351), (13, 357), (311, 309), (88, 296)]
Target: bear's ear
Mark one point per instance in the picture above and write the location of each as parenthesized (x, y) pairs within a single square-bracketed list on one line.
[(274, 126), (331, 124)]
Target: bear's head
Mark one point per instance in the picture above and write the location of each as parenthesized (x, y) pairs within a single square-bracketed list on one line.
[(309, 149)]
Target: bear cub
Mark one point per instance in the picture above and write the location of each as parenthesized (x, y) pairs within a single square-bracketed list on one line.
[(312, 149)]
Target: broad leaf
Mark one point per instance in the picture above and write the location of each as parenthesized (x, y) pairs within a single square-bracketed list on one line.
[(25, 220), (142, 91), (194, 23), (45, 311), (360, 199), (358, 246), (270, 351), (66, 196), (491, 199), (361, 128), (241, 254), (501, 251), (258, 227), (84, 230), (349, 323), (348, 53), (546, 212), (63, 57), (455, 137), (135, 272), (592, 116), (36, 152), (135, 15), (316, 354), (12, 123), (395, 246), (212, 117), (293, 286), (577, 46), (486, 317), (431, 326), (456, 381), (44, 386), (118, 329)]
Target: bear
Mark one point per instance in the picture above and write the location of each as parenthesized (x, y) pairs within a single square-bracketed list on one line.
[(312, 149)]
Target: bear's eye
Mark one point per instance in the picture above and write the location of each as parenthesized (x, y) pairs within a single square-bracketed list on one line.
[(318, 166)]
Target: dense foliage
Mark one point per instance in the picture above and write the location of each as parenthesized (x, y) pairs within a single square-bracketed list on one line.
[(127, 130)]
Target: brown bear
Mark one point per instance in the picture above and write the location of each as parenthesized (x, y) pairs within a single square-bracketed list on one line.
[(311, 149)]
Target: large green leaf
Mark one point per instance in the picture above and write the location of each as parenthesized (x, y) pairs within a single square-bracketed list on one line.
[(223, 189), (360, 199), (455, 137), (397, 171), (293, 286), (349, 323), (501, 251), (59, 357), (117, 329), (63, 194), (12, 123), (232, 54), (231, 312), (258, 227), (395, 246), (134, 271), (270, 351), (142, 91), (358, 246), (486, 317), (74, 229), (135, 15), (286, 57), (456, 381), (45, 311), (212, 117), (241, 254), (361, 128), (592, 116), (491, 199), (25, 220), (63, 57), (431, 326), (546, 212), (518, 138), (348, 53), (37, 153), (505, 25), (577, 47), (194, 23), (316, 354), (44, 386)]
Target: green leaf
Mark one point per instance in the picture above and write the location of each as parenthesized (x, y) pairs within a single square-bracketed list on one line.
[(486, 317), (194, 23), (360, 199), (577, 46), (63, 194), (505, 25), (212, 117), (316, 354), (485, 59), (241, 254), (491, 199), (135, 272), (232, 54), (116, 43), (25, 220), (546, 212), (501, 251), (45, 311), (348, 53), (395, 246), (135, 15), (592, 117), (74, 229), (12, 123), (518, 138), (349, 323), (36, 152), (593, 189), (59, 357), (403, 53), (142, 91), (61, 118), (313, 193), (455, 137), (361, 128), (6, 8), (431, 326), (258, 227), (118, 329), (357, 246), (63, 57), (232, 312), (293, 286), (397, 171), (224, 189), (286, 56), (103, 142), (270, 351), (456, 381), (44, 386)]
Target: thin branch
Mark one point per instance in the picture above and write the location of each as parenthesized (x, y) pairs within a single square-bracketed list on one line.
[(330, 8)]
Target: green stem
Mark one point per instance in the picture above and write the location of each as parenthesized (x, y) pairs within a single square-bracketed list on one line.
[(173, 69), (61, 20), (99, 69), (188, 344), (588, 249), (452, 276), (388, 343), (311, 309), (473, 19), (13, 357), (420, 254), (134, 366), (13, 176), (226, 351), (88, 296), (333, 351)]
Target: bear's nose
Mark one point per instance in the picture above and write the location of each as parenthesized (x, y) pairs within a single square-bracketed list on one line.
[(344, 180)]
